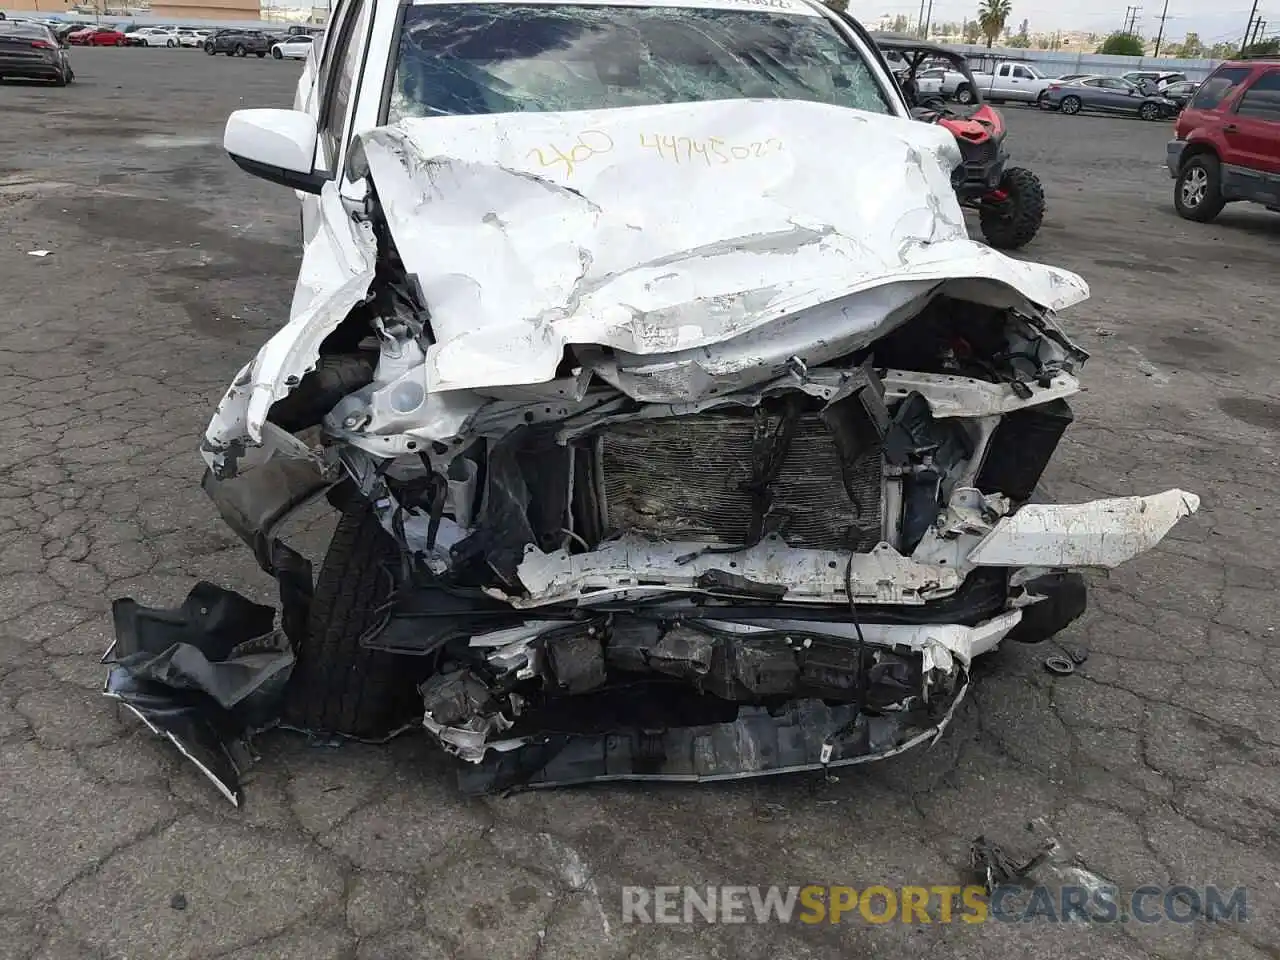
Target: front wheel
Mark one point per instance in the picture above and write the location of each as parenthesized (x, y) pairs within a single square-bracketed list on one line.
[(338, 685), (964, 94), (171, 43), (1197, 193), (1013, 222), (208, 48), (276, 54), (1071, 105)]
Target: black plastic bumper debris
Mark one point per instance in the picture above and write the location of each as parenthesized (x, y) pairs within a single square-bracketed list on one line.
[(206, 674)]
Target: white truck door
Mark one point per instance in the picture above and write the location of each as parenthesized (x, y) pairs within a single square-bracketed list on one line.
[(1022, 84), (1000, 81)]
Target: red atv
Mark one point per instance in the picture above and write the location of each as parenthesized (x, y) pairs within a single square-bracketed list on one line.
[(1009, 200)]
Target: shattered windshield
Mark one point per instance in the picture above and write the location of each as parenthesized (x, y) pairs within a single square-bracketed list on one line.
[(506, 58)]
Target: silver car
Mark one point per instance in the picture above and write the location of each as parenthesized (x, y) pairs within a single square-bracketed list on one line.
[(1107, 95)]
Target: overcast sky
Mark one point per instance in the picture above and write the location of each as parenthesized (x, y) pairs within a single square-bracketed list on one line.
[(1213, 21)]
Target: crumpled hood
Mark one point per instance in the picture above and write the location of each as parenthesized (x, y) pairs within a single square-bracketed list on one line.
[(661, 231)]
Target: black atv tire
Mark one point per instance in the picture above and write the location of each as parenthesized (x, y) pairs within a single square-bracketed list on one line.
[(1009, 231), (320, 390), (338, 686), (1210, 202)]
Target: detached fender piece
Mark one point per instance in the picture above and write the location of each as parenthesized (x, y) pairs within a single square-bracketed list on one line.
[(1101, 533)]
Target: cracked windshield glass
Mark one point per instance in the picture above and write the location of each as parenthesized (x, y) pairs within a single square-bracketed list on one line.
[(479, 59)]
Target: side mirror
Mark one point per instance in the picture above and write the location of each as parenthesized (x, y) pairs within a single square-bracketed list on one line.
[(276, 145)]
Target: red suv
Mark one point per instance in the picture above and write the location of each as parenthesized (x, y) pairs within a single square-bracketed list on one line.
[(1227, 141)]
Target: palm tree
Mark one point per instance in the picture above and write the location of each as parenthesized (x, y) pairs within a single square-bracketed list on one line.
[(992, 15)]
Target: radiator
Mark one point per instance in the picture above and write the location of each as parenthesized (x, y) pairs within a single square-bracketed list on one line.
[(683, 478)]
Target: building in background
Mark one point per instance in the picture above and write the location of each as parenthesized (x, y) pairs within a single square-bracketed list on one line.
[(204, 9), (38, 6)]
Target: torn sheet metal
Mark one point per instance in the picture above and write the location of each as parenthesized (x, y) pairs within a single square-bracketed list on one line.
[(279, 366), (608, 237), (701, 277), (203, 675), (1101, 533), (771, 570), (963, 642), (951, 396)]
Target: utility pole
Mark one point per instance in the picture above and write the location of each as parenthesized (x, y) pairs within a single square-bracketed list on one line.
[(1249, 27), (1164, 15), (928, 19), (920, 19)]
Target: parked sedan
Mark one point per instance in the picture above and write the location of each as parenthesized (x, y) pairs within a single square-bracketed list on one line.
[(1181, 92), (153, 37), (1153, 81), (98, 37), (31, 51), (1107, 95), (63, 31), (296, 47)]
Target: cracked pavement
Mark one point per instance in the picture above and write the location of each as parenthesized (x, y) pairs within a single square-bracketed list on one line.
[(1157, 762)]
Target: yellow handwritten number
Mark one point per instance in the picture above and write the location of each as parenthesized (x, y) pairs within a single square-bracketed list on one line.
[(589, 143)]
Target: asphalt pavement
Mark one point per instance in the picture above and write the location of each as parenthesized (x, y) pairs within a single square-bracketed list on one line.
[(1157, 762)]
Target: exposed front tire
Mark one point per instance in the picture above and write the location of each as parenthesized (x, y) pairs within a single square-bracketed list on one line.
[(1071, 105), (1014, 223), (1197, 193), (320, 390), (338, 685)]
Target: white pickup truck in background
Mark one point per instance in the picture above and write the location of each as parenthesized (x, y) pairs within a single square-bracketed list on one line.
[(1008, 80)]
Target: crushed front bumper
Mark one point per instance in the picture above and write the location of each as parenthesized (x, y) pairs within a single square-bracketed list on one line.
[(859, 612)]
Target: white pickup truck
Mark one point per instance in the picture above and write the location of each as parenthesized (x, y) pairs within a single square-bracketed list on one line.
[(1007, 80)]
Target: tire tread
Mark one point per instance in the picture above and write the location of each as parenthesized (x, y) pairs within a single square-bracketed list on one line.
[(339, 686), (1019, 230)]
